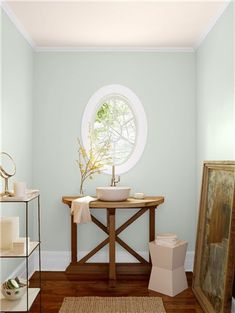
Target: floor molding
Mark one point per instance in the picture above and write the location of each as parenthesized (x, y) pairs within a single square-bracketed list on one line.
[(59, 260), (20, 271)]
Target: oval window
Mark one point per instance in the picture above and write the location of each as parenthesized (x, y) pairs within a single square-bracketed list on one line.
[(115, 114)]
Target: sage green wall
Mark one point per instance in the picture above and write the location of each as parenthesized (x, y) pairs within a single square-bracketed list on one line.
[(165, 83), (16, 108), (216, 93), (1, 13), (168, 85)]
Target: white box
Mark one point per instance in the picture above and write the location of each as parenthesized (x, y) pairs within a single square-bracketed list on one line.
[(19, 245)]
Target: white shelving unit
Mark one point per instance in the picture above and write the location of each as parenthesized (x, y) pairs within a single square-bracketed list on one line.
[(10, 253), (24, 304)]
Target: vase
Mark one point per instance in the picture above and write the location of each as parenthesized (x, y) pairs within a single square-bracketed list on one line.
[(81, 190)]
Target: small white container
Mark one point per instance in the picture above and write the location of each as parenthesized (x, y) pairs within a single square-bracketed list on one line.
[(19, 189), (139, 195), (14, 294)]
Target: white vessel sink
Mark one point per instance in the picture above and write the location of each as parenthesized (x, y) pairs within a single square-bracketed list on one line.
[(113, 193)]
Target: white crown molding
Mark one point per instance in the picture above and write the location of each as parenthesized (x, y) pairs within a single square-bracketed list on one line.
[(211, 24), (114, 49), (6, 8)]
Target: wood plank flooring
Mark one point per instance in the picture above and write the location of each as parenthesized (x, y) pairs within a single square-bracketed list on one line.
[(57, 285)]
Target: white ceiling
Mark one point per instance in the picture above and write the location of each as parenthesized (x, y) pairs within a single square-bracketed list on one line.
[(146, 24)]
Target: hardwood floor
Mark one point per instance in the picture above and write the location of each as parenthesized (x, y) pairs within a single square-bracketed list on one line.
[(57, 285)]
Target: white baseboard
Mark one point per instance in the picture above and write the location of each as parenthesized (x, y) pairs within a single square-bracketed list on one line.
[(189, 261), (20, 271), (59, 260)]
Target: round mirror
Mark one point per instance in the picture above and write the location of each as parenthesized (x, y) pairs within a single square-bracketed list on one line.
[(7, 165), (7, 170)]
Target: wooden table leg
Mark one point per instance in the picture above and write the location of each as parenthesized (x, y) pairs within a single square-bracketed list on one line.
[(112, 235), (108, 220), (151, 226), (73, 241)]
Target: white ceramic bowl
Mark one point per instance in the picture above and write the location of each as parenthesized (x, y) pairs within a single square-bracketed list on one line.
[(113, 193), (13, 294)]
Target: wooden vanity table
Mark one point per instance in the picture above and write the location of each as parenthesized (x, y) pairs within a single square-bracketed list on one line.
[(112, 270)]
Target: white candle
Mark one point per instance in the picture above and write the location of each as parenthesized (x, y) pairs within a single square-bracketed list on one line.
[(9, 231), (19, 189)]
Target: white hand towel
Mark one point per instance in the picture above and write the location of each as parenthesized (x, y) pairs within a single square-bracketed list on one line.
[(167, 239), (167, 236), (166, 243), (80, 209)]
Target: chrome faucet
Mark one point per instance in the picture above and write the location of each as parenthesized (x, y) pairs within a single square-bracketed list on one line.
[(114, 181)]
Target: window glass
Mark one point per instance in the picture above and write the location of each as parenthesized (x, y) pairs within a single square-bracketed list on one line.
[(115, 114), (116, 123)]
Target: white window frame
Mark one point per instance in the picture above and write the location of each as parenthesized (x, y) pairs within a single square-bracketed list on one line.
[(141, 123)]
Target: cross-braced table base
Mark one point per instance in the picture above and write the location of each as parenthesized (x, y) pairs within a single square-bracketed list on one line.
[(112, 269)]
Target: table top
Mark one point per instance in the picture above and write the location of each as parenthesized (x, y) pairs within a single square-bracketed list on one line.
[(151, 201), (30, 195)]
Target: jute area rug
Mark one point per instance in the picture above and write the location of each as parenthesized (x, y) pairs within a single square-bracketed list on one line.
[(112, 305)]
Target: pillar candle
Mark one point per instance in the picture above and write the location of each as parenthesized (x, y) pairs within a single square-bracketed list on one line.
[(19, 189), (9, 231)]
